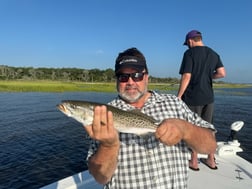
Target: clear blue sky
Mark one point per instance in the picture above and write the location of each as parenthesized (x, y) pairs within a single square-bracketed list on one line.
[(90, 33)]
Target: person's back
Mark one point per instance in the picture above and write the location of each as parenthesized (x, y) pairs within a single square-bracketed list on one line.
[(201, 62)]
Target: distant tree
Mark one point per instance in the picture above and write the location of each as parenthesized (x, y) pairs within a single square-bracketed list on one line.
[(67, 74)]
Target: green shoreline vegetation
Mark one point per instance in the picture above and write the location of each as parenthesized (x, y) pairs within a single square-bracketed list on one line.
[(60, 86), (29, 79)]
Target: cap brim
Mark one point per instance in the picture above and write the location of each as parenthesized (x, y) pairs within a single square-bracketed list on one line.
[(139, 68)]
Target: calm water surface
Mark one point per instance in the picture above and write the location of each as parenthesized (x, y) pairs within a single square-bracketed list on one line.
[(39, 145)]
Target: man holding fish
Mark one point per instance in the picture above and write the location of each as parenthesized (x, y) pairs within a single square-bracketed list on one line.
[(155, 158)]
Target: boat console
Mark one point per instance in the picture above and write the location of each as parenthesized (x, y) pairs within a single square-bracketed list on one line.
[(232, 146)]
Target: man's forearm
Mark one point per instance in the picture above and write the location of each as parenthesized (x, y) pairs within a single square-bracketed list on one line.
[(103, 163), (185, 79), (220, 73), (200, 139)]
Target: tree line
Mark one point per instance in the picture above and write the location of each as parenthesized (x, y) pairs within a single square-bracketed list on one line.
[(67, 74)]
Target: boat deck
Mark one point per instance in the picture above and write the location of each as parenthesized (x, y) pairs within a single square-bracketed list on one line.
[(233, 172)]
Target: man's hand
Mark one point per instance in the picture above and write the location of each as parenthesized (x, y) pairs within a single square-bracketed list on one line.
[(102, 128), (170, 131)]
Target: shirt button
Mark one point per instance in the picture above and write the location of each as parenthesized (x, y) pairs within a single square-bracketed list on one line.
[(154, 178), (150, 153)]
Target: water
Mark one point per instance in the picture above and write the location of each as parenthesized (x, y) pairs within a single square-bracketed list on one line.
[(233, 105), (40, 145)]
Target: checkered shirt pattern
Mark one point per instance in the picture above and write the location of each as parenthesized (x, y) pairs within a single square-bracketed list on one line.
[(144, 162)]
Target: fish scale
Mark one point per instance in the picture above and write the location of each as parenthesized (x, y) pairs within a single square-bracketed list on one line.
[(132, 121)]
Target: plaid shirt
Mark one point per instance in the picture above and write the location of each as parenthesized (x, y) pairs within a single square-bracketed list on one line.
[(144, 162)]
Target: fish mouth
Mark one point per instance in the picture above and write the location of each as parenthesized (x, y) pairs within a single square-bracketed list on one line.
[(61, 107)]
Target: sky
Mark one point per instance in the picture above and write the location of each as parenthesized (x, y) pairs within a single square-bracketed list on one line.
[(89, 34)]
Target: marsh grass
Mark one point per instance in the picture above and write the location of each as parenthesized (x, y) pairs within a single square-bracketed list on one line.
[(53, 86), (60, 86)]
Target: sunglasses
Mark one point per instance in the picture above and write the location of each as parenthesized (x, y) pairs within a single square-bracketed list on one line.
[(134, 76)]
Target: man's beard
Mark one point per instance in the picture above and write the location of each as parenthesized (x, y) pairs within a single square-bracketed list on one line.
[(132, 98)]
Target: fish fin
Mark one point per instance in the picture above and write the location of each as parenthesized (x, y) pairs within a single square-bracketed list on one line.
[(145, 135), (140, 134)]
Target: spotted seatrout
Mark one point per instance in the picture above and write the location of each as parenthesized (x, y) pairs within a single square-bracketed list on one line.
[(124, 121)]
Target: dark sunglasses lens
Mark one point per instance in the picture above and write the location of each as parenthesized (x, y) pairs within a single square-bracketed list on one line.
[(135, 77), (123, 77)]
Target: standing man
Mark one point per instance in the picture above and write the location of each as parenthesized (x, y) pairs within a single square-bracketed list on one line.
[(159, 160), (199, 66)]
